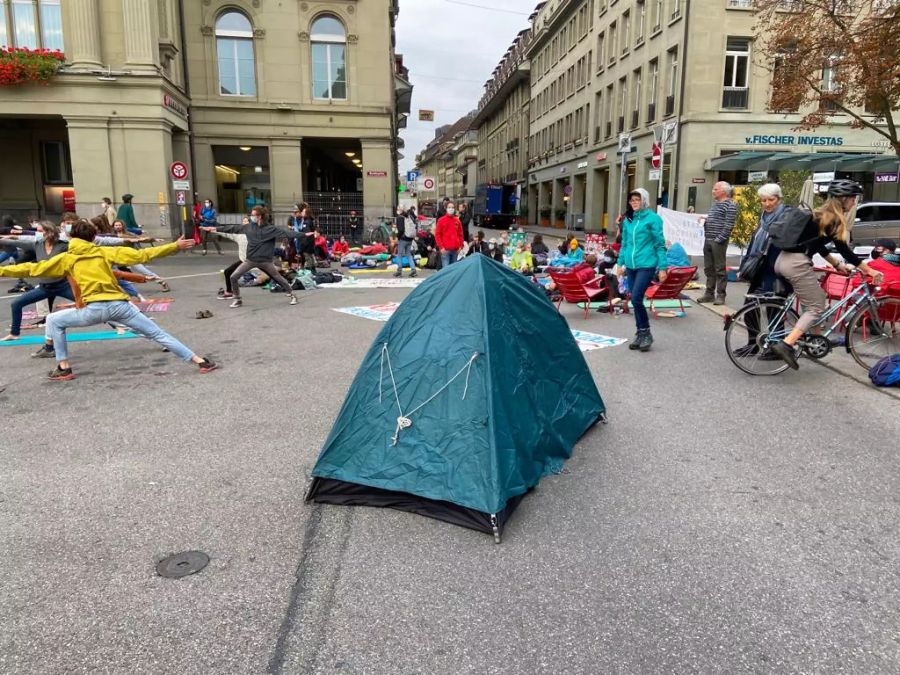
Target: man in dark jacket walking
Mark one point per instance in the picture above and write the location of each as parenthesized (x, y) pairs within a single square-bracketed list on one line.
[(465, 217), (261, 238)]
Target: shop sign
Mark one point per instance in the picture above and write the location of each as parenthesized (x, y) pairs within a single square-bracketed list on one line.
[(757, 176), (887, 177), (601, 156), (376, 174), (774, 139), (174, 106), (581, 165), (698, 181), (823, 176), (68, 197)]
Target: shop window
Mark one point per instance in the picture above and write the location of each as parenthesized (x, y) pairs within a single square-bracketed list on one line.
[(329, 59), (57, 166), (35, 25), (234, 45)]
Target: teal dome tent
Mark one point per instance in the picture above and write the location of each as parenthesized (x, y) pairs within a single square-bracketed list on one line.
[(474, 390)]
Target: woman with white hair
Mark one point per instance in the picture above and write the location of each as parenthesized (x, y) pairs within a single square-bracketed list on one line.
[(772, 199)]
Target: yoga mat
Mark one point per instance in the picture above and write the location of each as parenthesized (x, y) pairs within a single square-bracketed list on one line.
[(659, 304), (71, 337)]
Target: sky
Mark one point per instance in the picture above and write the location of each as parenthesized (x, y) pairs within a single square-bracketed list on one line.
[(451, 47)]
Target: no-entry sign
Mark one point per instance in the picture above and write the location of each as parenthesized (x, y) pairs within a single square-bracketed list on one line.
[(656, 156), (178, 170)]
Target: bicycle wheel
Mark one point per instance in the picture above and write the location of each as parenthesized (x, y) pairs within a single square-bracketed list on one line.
[(872, 335), (747, 338)]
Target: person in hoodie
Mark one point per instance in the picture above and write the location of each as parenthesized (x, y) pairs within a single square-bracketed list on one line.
[(98, 296), (448, 234), (208, 218), (261, 238), (642, 256)]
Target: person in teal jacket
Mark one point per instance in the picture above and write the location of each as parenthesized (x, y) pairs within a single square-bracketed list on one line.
[(642, 256)]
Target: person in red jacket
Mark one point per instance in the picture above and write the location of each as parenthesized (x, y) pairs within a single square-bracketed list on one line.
[(448, 233), (340, 248)]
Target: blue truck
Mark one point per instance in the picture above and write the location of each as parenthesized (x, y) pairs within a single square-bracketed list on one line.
[(495, 206)]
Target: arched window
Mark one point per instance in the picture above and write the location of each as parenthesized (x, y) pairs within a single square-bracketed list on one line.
[(329, 58), (234, 44)]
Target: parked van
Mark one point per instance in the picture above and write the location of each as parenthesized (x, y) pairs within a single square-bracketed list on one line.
[(876, 220)]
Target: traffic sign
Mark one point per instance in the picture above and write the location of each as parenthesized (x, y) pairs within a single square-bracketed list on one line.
[(624, 143), (655, 174), (412, 176), (178, 170), (656, 157), (181, 185), (427, 184), (180, 198)]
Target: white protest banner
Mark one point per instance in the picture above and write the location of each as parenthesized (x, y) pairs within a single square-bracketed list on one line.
[(685, 228)]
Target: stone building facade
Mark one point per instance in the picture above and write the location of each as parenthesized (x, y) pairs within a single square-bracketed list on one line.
[(266, 103)]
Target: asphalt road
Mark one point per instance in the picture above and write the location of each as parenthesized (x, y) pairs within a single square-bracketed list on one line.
[(719, 523)]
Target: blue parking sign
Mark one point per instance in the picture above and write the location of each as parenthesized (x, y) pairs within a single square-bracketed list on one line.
[(412, 176)]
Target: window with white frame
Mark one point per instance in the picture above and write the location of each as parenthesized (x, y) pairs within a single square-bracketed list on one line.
[(652, 89), (656, 17), (626, 32), (830, 87), (640, 20), (234, 47), (635, 98), (32, 24), (672, 56), (736, 89), (329, 58)]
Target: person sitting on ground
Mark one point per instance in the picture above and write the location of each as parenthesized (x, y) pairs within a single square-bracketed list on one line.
[(340, 248), (539, 251), (563, 248), (479, 245), (321, 246), (676, 256), (495, 250), (521, 260), (98, 297)]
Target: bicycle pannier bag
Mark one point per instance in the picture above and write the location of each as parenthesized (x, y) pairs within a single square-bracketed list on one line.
[(794, 230)]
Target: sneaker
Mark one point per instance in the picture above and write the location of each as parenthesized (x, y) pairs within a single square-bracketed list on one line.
[(413, 274), (706, 297), (45, 352), (786, 353), (206, 366), (221, 292), (293, 300), (237, 303), (397, 274), (225, 295), (719, 300), (746, 350), (61, 374)]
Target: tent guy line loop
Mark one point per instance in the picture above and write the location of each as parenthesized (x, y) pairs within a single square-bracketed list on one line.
[(404, 421)]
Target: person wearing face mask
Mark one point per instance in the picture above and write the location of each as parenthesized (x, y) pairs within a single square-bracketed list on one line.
[(448, 234), (208, 218), (886, 260), (261, 238)]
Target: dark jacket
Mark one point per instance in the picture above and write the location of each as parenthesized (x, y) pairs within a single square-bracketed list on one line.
[(466, 219), (261, 239), (479, 247)]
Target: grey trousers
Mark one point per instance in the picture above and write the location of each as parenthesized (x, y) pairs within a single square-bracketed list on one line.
[(798, 269), (268, 268), (714, 267)]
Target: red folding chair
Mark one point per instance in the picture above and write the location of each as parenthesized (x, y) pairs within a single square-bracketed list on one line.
[(672, 288), (574, 291)]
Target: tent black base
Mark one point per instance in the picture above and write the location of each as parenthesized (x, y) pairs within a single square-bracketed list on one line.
[(342, 493)]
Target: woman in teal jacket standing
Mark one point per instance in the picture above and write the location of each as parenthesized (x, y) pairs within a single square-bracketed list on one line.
[(643, 254)]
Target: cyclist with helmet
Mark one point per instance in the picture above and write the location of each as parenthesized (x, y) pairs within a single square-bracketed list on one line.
[(827, 224)]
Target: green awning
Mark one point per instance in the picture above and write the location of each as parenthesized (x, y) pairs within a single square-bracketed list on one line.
[(810, 161)]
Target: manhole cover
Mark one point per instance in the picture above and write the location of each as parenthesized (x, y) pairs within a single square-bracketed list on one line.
[(182, 564)]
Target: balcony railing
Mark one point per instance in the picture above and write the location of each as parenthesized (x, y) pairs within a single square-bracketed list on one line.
[(735, 97), (651, 112), (635, 119), (739, 4), (670, 105)]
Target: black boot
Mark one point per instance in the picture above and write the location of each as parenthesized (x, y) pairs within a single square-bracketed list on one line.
[(636, 341), (646, 341)]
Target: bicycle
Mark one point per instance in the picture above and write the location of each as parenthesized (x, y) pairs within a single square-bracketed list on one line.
[(872, 329), (381, 233)]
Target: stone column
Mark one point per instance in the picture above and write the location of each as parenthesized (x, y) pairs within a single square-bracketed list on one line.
[(91, 166), (82, 43), (286, 171), (205, 171), (378, 190), (141, 31), (556, 200)]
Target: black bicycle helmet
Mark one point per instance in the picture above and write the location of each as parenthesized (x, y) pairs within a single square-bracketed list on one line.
[(844, 187)]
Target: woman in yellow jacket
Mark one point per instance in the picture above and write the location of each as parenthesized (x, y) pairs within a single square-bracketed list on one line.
[(98, 296)]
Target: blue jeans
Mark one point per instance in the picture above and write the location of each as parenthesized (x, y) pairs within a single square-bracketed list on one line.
[(49, 292), (449, 258), (638, 283), (9, 255), (404, 250), (102, 312)]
